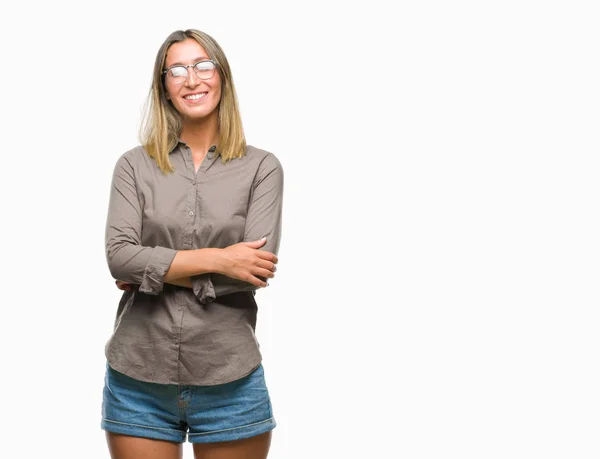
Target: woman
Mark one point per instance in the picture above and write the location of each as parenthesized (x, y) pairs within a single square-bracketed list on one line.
[(188, 215)]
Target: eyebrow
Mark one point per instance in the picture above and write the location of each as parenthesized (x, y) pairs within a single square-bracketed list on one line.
[(195, 60)]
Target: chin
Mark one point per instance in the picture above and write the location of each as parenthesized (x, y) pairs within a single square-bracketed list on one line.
[(195, 116)]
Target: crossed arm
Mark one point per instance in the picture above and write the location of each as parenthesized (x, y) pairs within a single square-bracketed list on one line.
[(241, 262), (210, 272)]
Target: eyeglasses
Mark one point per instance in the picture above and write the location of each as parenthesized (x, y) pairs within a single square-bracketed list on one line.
[(204, 70)]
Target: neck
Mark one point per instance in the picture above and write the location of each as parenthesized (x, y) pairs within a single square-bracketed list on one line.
[(200, 135)]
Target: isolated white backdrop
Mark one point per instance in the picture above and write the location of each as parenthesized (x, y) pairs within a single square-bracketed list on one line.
[(437, 291)]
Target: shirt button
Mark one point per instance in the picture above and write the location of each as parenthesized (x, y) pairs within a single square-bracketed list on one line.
[(191, 214)]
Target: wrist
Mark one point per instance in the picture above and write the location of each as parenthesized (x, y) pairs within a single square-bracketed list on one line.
[(219, 260)]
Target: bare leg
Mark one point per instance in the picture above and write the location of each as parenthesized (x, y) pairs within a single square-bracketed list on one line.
[(256, 447), (129, 447)]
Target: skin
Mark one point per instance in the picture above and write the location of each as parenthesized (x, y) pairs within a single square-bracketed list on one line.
[(127, 447), (240, 261)]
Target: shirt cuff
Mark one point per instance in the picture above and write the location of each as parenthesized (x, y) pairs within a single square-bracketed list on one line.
[(209, 286), (203, 288), (158, 264)]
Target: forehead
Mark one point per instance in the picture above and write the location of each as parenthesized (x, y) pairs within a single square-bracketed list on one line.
[(185, 52)]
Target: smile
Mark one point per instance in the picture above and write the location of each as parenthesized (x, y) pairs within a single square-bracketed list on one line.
[(196, 96)]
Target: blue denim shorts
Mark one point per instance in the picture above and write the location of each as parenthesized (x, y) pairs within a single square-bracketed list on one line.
[(231, 411)]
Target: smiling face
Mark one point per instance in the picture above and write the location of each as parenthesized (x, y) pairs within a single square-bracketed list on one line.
[(185, 96)]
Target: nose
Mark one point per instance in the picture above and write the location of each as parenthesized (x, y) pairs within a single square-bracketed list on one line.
[(191, 80)]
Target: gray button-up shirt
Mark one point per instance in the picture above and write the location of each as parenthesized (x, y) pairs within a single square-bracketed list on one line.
[(169, 334)]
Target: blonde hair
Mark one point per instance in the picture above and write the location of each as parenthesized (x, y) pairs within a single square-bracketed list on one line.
[(161, 124)]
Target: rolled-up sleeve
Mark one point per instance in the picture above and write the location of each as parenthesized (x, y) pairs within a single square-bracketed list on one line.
[(127, 259), (264, 219)]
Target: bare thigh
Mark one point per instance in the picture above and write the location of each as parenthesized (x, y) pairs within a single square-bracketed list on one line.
[(256, 447), (129, 447)]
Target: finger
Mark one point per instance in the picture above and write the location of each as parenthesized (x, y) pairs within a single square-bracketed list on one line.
[(124, 286), (254, 244), (267, 256), (265, 264), (256, 281), (266, 273)]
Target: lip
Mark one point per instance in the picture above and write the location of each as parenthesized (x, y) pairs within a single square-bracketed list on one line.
[(195, 101)]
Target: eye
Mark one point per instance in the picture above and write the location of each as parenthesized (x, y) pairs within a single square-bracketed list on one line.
[(204, 69), (177, 72), (205, 65)]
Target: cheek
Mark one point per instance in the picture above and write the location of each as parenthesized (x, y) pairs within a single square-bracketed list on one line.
[(217, 97), (170, 92)]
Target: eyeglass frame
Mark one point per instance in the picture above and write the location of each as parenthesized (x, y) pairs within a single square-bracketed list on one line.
[(187, 71)]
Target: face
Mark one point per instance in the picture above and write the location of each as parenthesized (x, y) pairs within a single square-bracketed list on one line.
[(189, 52)]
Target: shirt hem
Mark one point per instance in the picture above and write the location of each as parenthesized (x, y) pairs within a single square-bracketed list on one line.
[(126, 370)]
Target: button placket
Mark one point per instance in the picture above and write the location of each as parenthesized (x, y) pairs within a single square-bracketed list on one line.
[(191, 206), (193, 197)]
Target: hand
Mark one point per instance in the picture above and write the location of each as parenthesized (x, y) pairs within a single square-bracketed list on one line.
[(245, 262), (125, 286)]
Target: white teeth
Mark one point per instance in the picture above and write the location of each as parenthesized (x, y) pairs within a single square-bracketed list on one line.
[(195, 96)]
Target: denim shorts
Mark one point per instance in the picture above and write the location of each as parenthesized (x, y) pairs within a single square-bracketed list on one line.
[(231, 411)]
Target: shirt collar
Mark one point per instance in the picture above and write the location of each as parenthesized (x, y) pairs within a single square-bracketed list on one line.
[(213, 148)]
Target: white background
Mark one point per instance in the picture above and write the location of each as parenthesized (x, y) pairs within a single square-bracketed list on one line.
[(437, 291)]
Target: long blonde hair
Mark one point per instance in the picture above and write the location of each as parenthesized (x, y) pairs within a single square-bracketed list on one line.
[(161, 124)]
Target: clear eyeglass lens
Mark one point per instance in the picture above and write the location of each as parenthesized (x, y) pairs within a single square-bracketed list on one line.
[(204, 70), (177, 74)]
